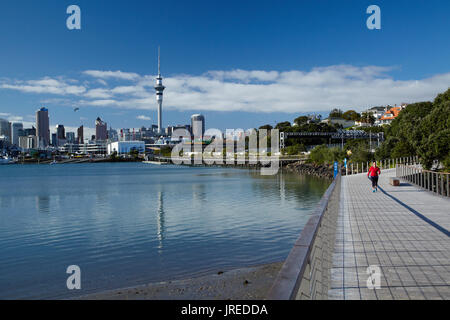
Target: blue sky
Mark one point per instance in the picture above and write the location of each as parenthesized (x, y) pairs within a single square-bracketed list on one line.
[(241, 63)]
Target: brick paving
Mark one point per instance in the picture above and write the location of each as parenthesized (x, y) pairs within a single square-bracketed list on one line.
[(403, 230)]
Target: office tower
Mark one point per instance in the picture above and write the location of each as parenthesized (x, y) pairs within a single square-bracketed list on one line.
[(198, 125), (54, 140), (28, 142), (70, 137), (60, 132), (60, 135), (159, 92), (42, 128), (5, 129), (80, 134), (101, 130), (112, 134), (16, 127), (29, 132)]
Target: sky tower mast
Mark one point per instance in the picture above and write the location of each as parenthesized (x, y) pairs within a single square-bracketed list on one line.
[(159, 92)]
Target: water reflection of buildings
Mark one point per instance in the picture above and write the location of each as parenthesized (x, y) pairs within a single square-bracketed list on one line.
[(199, 192), (282, 185), (43, 203), (160, 219)]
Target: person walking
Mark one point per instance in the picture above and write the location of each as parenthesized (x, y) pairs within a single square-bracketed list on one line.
[(373, 174)]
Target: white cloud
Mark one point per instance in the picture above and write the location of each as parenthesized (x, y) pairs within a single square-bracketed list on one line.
[(98, 94), (295, 91), (111, 74), (45, 86), (142, 117)]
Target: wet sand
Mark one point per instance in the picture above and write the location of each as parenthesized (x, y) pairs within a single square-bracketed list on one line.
[(252, 283)]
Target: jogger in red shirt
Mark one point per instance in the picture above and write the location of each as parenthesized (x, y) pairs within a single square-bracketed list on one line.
[(373, 174)]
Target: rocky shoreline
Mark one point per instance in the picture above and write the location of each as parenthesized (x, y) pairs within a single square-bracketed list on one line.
[(303, 167), (250, 283)]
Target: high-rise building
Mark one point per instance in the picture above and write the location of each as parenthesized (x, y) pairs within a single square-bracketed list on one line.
[(70, 137), (16, 127), (80, 135), (101, 130), (112, 134), (28, 142), (54, 140), (159, 92), (5, 129), (60, 131), (42, 127), (198, 125), (60, 135), (29, 132)]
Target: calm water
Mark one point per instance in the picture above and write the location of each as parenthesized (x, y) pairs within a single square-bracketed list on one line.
[(129, 224)]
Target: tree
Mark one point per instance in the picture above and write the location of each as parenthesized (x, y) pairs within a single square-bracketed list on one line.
[(267, 127), (336, 113), (433, 133), (283, 125), (113, 156), (301, 120), (324, 155), (351, 115), (421, 129), (134, 153), (294, 149), (367, 117)]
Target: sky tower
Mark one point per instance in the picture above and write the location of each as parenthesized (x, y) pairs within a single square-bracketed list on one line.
[(159, 92)]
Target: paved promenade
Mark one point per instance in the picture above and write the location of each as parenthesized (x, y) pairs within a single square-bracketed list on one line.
[(402, 230)]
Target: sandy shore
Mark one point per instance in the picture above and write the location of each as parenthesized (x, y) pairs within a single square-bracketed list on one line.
[(240, 284)]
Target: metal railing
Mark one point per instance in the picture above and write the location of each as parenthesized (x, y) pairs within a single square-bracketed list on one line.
[(306, 271), (437, 182), (363, 167)]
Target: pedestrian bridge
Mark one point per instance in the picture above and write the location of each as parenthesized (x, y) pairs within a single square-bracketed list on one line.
[(392, 244)]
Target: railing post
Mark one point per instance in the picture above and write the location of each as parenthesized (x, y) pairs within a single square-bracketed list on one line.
[(448, 189), (432, 182), (421, 178), (357, 167)]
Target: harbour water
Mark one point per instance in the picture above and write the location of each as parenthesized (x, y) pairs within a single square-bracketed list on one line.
[(126, 224)]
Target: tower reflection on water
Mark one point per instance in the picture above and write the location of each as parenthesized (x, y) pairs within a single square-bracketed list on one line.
[(160, 220)]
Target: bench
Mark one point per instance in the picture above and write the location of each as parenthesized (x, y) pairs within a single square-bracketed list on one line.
[(394, 182)]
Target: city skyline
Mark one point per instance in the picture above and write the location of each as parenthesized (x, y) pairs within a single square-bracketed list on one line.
[(263, 68)]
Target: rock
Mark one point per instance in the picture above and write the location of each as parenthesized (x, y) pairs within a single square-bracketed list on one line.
[(302, 167)]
